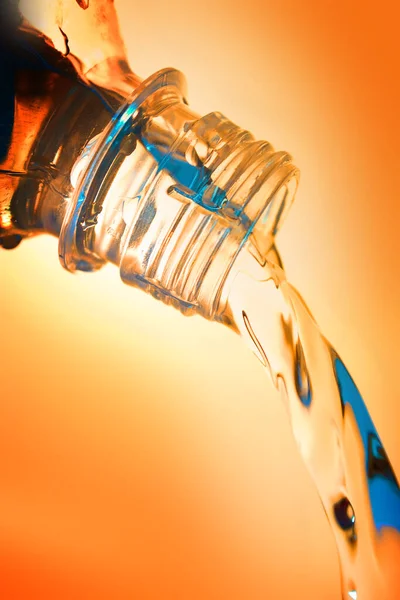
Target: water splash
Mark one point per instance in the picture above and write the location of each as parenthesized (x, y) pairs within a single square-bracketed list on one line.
[(333, 429)]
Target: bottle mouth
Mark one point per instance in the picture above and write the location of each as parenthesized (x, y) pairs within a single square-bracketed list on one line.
[(172, 197)]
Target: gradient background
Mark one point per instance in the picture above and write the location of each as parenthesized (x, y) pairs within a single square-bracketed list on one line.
[(143, 454)]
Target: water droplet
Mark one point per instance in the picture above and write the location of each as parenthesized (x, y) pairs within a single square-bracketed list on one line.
[(302, 379), (344, 514)]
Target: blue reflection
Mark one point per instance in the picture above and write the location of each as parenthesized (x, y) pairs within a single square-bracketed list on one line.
[(195, 179), (384, 491)]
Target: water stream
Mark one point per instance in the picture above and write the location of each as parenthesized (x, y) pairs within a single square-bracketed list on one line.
[(332, 427)]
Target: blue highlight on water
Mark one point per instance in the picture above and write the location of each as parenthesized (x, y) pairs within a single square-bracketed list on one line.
[(384, 491)]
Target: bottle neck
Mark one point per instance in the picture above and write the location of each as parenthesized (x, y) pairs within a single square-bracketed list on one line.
[(172, 197), (145, 182)]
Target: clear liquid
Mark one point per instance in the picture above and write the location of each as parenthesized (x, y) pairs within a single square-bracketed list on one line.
[(332, 427), (183, 212)]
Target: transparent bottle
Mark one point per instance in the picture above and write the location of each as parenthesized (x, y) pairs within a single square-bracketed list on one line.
[(188, 207)]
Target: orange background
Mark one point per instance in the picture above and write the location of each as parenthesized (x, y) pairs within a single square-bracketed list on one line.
[(143, 455)]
